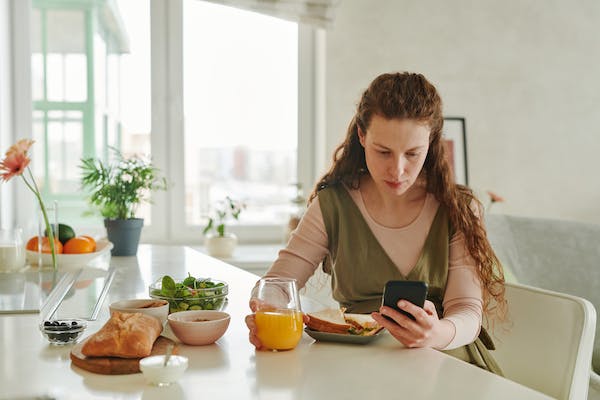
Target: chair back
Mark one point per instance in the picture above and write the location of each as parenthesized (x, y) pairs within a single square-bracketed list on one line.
[(547, 344)]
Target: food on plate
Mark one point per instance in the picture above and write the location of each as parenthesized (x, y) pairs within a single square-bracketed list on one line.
[(336, 321), (32, 245), (125, 335), (79, 245), (191, 293)]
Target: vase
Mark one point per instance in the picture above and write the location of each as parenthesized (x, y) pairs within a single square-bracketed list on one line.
[(220, 246), (124, 235)]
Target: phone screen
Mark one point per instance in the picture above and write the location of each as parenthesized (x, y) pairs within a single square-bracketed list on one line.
[(413, 291)]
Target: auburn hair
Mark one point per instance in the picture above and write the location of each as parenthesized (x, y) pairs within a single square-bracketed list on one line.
[(411, 96)]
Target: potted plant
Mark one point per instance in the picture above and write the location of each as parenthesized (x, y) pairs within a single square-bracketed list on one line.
[(117, 189), (218, 242)]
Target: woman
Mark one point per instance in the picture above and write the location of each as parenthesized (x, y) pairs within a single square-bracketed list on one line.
[(388, 209)]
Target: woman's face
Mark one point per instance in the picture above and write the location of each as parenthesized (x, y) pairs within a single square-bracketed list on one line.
[(395, 151)]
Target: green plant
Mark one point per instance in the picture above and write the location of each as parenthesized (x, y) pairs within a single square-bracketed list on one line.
[(118, 188), (224, 210)]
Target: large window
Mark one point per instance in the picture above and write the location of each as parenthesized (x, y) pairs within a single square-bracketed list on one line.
[(240, 111), (210, 92)]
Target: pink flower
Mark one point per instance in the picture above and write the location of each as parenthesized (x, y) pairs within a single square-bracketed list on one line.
[(495, 198), (21, 147), (13, 165)]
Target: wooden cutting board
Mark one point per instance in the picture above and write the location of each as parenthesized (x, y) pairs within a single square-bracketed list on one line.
[(115, 365)]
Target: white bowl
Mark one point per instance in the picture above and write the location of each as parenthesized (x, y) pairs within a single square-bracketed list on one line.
[(156, 373), (199, 327), (153, 307), (103, 247)]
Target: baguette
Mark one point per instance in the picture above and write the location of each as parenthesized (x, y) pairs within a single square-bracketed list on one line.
[(125, 335)]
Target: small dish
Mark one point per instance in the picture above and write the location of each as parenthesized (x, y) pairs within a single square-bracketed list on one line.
[(342, 338), (63, 331), (157, 373), (154, 307), (103, 248), (199, 327)]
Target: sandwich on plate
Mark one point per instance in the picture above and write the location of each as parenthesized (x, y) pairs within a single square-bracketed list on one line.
[(336, 321)]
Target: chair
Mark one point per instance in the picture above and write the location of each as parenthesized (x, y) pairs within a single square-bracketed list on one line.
[(548, 342)]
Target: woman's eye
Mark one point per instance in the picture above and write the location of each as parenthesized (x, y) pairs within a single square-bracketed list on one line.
[(383, 152), (412, 155)]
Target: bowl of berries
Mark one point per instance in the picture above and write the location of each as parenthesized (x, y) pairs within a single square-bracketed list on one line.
[(63, 331)]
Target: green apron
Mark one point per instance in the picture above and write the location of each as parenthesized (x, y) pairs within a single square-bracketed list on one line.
[(360, 267)]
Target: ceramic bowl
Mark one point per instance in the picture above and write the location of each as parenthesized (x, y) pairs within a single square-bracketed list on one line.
[(156, 373), (199, 327), (154, 307), (103, 248)]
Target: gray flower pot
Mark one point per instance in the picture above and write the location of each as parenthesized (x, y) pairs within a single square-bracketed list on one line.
[(124, 235)]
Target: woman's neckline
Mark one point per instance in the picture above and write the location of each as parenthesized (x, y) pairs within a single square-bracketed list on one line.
[(363, 207)]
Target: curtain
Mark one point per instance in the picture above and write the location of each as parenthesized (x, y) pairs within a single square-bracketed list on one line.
[(317, 13)]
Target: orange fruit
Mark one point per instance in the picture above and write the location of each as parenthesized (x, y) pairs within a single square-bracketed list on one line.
[(32, 244), (90, 239), (79, 245)]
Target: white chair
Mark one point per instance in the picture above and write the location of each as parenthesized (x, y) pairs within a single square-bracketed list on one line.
[(548, 343)]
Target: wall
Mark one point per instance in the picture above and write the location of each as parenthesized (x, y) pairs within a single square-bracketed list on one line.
[(524, 74), (5, 106)]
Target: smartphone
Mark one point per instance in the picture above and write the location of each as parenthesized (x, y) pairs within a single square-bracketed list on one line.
[(413, 291)]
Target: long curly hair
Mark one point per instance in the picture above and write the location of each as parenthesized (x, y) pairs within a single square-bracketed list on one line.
[(410, 96)]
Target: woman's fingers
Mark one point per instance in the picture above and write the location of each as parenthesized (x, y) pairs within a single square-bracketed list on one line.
[(251, 323)]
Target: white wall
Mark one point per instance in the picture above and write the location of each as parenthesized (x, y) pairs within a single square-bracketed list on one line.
[(5, 107), (524, 73)]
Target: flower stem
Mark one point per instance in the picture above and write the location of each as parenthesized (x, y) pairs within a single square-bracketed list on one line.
[(49, 231)]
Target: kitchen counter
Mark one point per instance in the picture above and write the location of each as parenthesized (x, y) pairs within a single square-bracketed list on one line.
[(231, 368)]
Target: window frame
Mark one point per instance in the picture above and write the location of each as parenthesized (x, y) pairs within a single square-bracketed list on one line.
[(167, 139), (168, 218)]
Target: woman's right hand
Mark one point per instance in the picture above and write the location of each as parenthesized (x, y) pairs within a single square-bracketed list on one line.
[(250, 322)]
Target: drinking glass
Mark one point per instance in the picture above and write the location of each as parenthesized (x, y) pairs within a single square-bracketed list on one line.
[(12, 250), (278, 315)]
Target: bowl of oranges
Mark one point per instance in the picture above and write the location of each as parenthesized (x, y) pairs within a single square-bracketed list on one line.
[(71, 249)]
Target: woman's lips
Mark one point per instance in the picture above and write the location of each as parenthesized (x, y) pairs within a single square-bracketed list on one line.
[(393, 184)]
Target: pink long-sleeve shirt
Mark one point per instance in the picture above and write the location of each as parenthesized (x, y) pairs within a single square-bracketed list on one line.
[(463, 303)]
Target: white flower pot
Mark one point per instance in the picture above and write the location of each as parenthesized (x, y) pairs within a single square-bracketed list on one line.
[(220, 246)]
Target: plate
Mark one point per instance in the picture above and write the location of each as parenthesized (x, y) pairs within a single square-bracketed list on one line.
[(342, 338), (103, 247)]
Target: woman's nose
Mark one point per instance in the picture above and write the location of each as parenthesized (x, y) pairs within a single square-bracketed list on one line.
[(398, 166)]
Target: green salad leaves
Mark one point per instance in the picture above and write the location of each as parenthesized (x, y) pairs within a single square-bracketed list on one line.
[(191, 293)]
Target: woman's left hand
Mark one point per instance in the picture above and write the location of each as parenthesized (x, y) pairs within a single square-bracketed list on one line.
[(425, 331)]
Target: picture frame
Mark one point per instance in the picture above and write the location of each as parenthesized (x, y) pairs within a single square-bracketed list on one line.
[(454, 136)]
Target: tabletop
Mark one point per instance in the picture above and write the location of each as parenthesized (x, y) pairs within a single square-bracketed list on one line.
[(229, 368)]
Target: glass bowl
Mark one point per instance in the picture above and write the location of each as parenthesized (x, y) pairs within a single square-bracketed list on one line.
[(63, 331), (209, 294)]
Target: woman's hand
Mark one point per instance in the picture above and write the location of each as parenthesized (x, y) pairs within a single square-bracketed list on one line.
[(251, 323), (426, 331)]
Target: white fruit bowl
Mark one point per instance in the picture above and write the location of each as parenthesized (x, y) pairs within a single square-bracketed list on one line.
[(103, 247)]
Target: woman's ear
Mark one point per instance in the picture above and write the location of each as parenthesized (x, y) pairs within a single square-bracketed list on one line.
[(361, 135)]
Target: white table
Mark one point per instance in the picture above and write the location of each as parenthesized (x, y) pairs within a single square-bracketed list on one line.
[(231, 368)]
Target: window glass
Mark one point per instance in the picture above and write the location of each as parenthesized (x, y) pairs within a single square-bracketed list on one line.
[(240, 111)]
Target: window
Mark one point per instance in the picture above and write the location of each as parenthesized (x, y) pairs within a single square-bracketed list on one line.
[(210, 92), (240, 96)]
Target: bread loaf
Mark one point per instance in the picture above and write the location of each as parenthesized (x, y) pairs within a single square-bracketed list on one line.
[(125, 335)]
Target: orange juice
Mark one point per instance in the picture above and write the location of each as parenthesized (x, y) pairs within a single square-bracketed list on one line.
[(279, 329)]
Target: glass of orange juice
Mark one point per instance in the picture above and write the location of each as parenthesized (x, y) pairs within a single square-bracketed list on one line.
[(278, 316)]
